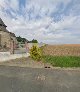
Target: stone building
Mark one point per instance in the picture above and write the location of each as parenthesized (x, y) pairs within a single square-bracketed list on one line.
[(6, 37)]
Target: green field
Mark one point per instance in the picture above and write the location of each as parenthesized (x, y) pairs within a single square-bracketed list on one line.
[(62, 61), (62, 55)]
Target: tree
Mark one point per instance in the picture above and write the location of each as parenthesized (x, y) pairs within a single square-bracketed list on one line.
[(34, 41), (22, 40)]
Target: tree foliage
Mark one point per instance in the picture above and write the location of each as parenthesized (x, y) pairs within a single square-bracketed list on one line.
[(20, 39), (33, 41), (35, 53)]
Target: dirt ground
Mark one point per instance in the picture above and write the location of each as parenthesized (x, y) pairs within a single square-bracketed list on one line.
[(26, 62)]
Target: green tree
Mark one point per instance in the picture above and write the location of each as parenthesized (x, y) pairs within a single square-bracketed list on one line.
[(34, 41), (20, 39)]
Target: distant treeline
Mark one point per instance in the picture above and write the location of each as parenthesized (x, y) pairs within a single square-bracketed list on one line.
[(23, 40)]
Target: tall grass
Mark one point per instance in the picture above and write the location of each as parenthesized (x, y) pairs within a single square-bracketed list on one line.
[(62, 61)]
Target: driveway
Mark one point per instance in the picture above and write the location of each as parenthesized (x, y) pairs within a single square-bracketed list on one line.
[(5, 56), (16, 79)]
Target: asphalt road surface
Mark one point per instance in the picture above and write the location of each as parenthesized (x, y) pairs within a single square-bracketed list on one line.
[(15, 79)]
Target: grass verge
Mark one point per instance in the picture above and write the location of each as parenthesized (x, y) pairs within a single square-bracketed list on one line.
[(62, 61)]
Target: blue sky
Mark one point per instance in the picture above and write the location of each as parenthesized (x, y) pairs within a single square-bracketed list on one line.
[(49, 21)]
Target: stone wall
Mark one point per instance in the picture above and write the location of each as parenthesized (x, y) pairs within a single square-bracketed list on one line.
[(5, 39), (15, 41)]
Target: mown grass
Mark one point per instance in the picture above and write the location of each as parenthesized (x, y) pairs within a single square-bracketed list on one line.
[(62, 61)]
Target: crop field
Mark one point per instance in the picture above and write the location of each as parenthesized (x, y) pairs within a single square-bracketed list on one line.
[(62, 50), (62, 55), (62, 61)]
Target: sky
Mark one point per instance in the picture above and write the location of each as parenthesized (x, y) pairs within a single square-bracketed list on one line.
[(48, 21)]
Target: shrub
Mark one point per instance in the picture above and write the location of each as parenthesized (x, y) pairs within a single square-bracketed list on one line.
[(35, 53)]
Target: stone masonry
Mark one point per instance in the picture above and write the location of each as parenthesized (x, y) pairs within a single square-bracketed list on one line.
[(6, 37)]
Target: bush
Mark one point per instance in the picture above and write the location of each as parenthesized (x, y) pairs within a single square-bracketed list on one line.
[(35, 53)]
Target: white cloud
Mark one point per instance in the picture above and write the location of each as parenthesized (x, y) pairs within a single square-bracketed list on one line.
[(65, 23), (10, 4), (44, 29), (14, 4)]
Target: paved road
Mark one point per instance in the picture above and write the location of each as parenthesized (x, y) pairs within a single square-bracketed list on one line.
[(15, 79)]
